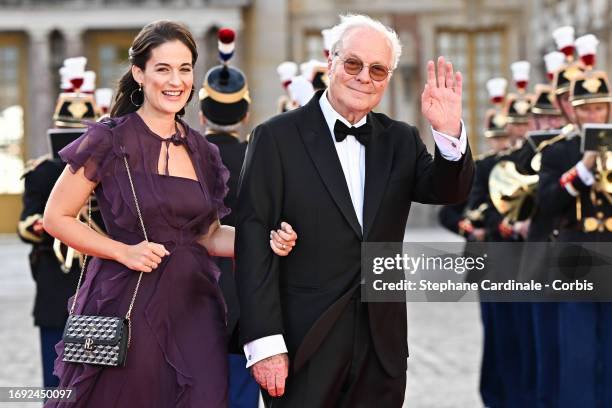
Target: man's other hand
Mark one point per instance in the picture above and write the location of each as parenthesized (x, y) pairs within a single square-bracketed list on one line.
[(271, 373)]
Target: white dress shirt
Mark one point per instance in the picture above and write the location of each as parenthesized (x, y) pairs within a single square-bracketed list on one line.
[(352, 158)]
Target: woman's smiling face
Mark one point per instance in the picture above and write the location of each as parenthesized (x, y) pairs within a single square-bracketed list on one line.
[(167, 79)]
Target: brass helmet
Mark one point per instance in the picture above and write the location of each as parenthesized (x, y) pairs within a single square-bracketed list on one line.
[(544, 101), (76, 102), (590, 87)]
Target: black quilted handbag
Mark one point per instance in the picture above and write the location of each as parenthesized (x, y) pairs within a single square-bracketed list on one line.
[(100, 340)]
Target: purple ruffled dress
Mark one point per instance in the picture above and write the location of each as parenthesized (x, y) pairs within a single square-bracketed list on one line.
[(178, 355)]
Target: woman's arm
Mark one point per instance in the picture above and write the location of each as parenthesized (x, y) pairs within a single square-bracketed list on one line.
[(67, 197), (219, 240)]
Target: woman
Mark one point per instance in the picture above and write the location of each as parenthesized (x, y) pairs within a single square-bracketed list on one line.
[(177, 356)]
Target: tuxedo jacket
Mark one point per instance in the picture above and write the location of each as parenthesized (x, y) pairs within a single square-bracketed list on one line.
[(292, 173)]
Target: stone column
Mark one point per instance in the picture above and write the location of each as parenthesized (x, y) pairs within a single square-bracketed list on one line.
[(238, 59), (266, 38), (74, 41), (40, 103)]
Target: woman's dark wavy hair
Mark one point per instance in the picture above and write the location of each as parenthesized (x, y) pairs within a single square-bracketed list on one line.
[(151, 36)]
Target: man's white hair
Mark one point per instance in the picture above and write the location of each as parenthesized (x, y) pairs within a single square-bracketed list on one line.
[(351, 21)]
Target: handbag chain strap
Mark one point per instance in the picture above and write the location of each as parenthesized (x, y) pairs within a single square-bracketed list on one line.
[(84, 259), (144, 231)]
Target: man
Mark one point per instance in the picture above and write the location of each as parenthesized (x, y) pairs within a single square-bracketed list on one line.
[(498, 141), (532, 324), (507, 354), (308, 338), (469, 219), (224, 109), (564, 39), (517, 108), (546, 117), (286, 70), (568, 184), (492, 383)]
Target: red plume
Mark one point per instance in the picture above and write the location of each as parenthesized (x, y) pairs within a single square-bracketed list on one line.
[(226, 35)]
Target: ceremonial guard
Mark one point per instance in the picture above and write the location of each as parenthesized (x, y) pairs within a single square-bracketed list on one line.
[(561, 68), (286, 71), (54, 267), (469, 217), (315, 72), (492, 380), (564, 39), (224, 109), (548, 121), (573, 182), (508, 223), (476, 220)]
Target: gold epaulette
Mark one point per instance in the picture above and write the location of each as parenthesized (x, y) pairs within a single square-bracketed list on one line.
[(32, 164), (551, 141), (569, 130)]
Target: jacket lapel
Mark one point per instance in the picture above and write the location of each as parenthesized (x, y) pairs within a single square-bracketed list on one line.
[(378, 156), (320, 147)]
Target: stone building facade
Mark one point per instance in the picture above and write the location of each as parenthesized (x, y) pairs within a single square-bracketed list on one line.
[(481, 37)]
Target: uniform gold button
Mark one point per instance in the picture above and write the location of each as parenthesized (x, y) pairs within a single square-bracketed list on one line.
[(590, 224)]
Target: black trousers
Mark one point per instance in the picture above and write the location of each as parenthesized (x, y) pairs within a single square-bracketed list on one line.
[(344, 372)]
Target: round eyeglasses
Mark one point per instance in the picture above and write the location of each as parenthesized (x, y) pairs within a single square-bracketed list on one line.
[(353, 66)]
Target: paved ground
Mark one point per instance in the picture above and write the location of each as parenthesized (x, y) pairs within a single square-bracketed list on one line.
[(445, 338), (19, 359), (445, 346)]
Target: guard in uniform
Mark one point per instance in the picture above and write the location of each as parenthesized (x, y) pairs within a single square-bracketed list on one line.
[(224, 108), (472, 219), (315, 72), (569, 182), (513, 227), (548, 121), (468, 218), (55, 281), (286, 71), (512, 333), (564, 39), (493, 388), (561, 68)]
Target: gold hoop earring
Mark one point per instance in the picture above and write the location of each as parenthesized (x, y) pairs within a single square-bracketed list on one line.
[(132, 96)]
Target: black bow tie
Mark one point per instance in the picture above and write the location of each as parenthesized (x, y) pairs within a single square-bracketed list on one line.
[(361, 133)]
